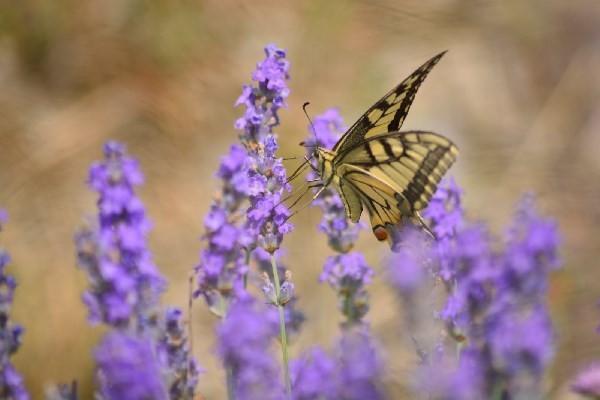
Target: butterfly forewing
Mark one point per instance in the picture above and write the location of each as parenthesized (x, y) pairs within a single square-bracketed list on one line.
[(389, 112)]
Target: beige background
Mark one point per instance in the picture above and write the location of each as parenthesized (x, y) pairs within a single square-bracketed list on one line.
[(518, 91)]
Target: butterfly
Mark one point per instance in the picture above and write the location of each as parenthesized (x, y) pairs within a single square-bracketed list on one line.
[(392, 174)]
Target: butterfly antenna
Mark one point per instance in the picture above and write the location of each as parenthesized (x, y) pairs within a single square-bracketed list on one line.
[(319, 185), (306, 104), (298, 171)]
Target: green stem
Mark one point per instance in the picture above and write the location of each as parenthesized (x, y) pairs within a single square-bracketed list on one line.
[(282, 334), (230, 386)]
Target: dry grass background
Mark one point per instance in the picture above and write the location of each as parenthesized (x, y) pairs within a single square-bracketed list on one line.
[(519, 91)]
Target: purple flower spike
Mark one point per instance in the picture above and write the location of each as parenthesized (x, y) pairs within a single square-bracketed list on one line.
[(128, 369), (360, 366), (267, 217), (445, 211), (353, 371), (244, 340), (314, 376), (11, 383), (348, 274), (182, 369), (252, 174), (223, 263), (125, 283)]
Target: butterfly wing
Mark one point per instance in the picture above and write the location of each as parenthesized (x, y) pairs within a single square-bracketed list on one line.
[(389, 112), (394, 175)]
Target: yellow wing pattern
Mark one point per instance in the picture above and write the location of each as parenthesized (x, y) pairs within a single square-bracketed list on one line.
[(389, 112), (393, 175)]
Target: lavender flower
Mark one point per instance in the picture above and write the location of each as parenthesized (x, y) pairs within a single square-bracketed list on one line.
[(244, 340), (267, 217), (223, 263), (182, 369), (409, 265), (518, 327), (360, 366), (128, 369), (587, 382), (314, 376), (353, 371), (11, 382), (445, 211), (125, 283), (348, 274), (497, 303)]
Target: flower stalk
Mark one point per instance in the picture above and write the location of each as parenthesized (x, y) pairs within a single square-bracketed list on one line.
[(282, 332)]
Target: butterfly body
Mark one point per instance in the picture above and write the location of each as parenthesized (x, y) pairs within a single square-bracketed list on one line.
[(392, 174)]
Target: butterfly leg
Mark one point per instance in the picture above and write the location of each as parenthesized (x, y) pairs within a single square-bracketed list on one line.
[(423, 224)]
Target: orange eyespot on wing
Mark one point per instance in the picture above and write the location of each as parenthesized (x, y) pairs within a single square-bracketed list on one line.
[(380, 233)]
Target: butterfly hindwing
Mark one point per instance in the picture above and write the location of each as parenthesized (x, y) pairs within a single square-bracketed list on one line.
[(389, 112), (380, 199)]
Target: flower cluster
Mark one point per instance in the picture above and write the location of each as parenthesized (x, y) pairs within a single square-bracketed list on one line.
[(124, 293), (125, 283), (128, 368), (223, 263), (267, 216), (11, 382), (353, 371), (496, 306), (346, 272), (244, 339), (182, 369)]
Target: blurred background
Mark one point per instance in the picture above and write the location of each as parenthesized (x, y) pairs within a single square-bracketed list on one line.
[(518, 91)]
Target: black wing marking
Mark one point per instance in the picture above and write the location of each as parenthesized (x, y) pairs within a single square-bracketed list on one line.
[(389, 112), (411, 163)]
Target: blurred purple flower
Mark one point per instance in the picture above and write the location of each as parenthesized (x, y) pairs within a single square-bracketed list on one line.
[(410, 263), (125, 283), (223, 263), (360, 367), (445, 212), (11, 383), (128, 369), (181, 368), (587, 382), (348, 274), (314, 376), (446, 378), (353, 371), (267, 218), (244, 340)]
